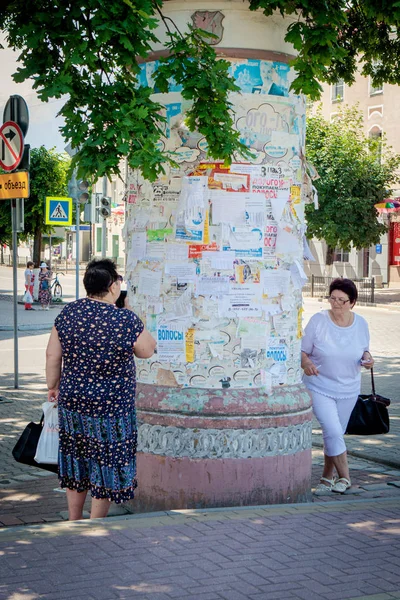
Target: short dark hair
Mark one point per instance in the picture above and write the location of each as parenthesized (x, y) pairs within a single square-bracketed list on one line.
[(30, 263), (120, 302), (345, 285), (100, 274)]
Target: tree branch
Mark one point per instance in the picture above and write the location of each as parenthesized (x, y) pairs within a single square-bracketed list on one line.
[(165, 19)]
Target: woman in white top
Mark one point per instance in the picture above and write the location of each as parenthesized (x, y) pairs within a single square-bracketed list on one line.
[(29, 281), (334, 346)]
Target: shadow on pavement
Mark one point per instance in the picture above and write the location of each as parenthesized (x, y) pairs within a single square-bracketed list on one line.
[(9, 335), (387, 379), (29, 383)]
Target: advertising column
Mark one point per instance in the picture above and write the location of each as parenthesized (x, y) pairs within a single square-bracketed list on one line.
[(214, 269)]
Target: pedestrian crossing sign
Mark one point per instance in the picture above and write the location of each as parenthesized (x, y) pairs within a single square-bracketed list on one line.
[(58, 211)]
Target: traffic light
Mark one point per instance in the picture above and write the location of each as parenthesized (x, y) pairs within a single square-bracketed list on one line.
[(83, 191), (97, 197), (72, 186), (105, 207), (78, 190)]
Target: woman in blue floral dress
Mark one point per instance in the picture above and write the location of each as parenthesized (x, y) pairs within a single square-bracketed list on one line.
[(90, 372), (44, 286)]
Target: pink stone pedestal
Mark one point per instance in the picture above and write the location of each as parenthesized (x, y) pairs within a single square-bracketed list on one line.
[(203, 448)]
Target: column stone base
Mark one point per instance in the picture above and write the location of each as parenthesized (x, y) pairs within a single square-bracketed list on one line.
[(203, 448)]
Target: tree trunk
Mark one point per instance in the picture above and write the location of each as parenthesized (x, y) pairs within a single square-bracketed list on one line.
[(37, 246), (330, 252)]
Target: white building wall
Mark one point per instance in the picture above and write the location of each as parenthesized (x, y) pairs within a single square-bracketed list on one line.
[(353, 269)]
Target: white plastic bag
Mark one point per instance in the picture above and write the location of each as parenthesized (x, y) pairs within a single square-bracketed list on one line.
[(27, 298), (47, 448)]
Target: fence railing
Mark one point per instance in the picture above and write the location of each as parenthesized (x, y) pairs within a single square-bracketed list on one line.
[(56, 264), (6, 260), (318, 287)]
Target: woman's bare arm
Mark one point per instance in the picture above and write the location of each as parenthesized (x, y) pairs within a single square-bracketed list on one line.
[(307, 365), (53, 364), (145, 345)]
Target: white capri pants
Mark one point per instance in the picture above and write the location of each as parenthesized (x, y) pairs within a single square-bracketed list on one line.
[(333, 415)]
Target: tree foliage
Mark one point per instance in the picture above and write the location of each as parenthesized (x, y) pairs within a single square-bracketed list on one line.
[(88, 52), (335, 37), (48, 177), (353, 178), (204, 81)]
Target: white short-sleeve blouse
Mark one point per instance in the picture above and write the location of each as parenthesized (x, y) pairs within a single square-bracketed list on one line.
[(336, 352)]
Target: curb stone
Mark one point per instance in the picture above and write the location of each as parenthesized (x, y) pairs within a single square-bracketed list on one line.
[(196, 515), (33, 327)]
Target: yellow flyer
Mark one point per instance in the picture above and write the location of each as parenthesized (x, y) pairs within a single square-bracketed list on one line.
[(189, 339)]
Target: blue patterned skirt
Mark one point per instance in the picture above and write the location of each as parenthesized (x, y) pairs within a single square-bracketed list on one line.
[(98, 454)]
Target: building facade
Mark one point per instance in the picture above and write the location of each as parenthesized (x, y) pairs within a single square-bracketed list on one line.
[(379, 107), (115, 191)]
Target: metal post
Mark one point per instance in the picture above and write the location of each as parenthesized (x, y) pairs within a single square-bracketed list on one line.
[(90, 241), (312, 285), (50, 251), (15, 285), (103, 238), (14, 117), (104, 224), (77, 250), (373, 290)]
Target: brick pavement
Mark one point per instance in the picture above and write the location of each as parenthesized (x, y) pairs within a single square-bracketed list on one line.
[(27, 495), (333, 551), (338, 548)]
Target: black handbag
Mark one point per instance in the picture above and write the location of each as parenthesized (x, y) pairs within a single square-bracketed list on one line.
[(25, 449), (370, 415)]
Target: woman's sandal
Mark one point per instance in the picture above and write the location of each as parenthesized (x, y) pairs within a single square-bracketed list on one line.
[(323, 488), (341, 485)]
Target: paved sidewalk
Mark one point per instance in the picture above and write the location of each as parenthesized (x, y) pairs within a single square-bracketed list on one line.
[(336, 548), (334, 551), (28, 495), (36, 320), (388, 297)]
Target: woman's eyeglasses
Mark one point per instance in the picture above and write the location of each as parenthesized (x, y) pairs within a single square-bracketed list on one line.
[(120, 278), (338, 300)]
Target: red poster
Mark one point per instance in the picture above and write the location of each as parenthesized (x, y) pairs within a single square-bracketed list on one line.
[(395, 254), (220, 177), (196, 250)]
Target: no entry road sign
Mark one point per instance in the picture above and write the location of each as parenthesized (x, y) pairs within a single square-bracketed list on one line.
[(11, 146)]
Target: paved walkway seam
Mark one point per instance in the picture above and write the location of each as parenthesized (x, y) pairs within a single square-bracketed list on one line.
[(188, 516)]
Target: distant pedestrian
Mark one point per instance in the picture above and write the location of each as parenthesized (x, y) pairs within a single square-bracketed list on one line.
[(334, 347), (90, 372), (44, 286), (29, 281)]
